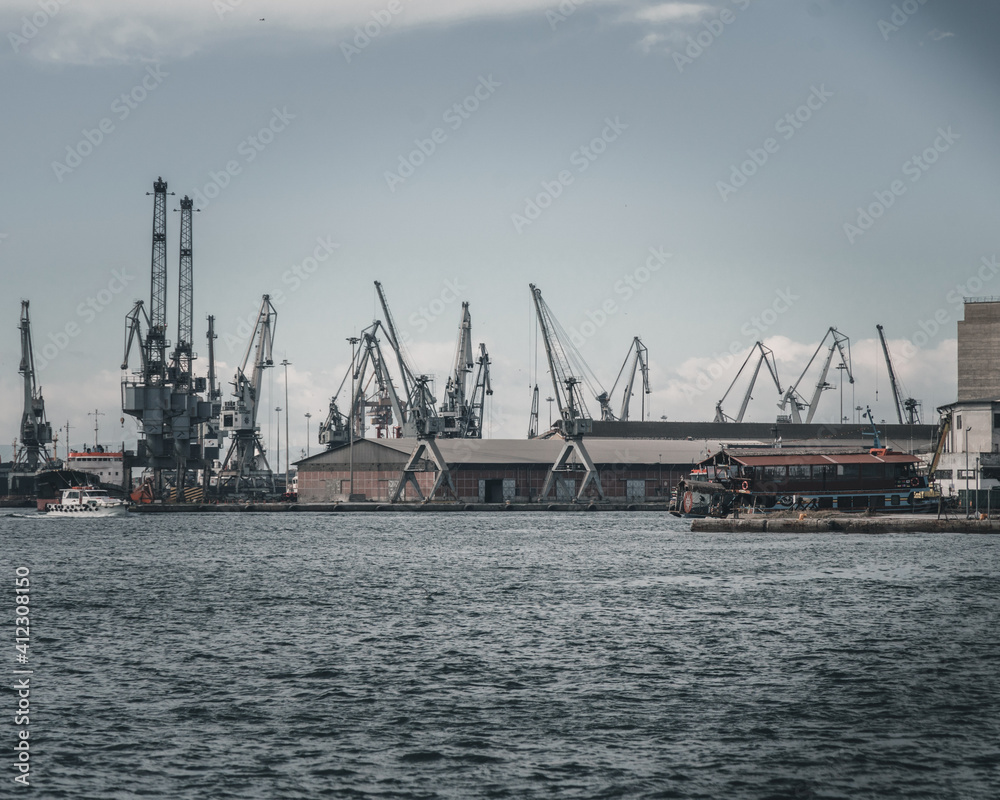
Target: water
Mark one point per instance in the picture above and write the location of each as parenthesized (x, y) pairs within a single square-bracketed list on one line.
[(503, 655)]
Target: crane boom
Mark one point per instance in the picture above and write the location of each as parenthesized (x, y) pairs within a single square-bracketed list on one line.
[(407, 373), (766, 356), (638, 355), (897, 403), (792, 395), (566, 367)]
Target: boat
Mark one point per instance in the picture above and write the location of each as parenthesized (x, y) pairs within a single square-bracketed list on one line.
[(85, 501), (803, 479)]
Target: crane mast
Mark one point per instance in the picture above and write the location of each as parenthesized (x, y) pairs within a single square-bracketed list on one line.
[(156, 335), (481, 389), (766, 356), (185, 298), (36, 432), (533, 416)]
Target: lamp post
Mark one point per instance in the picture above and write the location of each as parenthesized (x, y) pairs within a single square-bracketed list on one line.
[(308, 416), (969, 428), (350, 416), (841, 367), (550, 400), (286, 364), (278, 448)]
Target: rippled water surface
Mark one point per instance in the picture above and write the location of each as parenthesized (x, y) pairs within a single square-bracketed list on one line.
[(503, 655)]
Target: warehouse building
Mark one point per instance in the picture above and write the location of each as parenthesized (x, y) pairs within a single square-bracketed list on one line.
[(502, 470)]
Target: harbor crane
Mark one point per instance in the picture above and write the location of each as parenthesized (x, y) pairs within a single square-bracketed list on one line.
[(374, 395), (636, 360), (765, 356), (245, 465), (36, 431), (462, 410), (416, 393), (839, 343), (163, 398), (908, 408), (565, 367)]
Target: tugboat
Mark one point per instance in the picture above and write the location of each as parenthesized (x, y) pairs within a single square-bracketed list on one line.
[(84, 501)]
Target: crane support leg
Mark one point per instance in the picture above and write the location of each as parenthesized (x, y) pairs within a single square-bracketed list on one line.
[(426, 448), (574, 445)]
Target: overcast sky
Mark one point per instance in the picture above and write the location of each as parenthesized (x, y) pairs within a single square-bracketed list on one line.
[(699, 174)]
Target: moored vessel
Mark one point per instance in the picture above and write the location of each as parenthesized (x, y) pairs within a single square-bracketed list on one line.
[(84, 501)]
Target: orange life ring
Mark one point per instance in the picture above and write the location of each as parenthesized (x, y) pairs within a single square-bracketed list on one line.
[(746, 485), (688, 502)]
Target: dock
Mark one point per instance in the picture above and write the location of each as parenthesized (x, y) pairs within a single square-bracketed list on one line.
[(903, 523)]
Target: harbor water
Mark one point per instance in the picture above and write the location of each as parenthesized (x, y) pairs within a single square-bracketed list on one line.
[(502, 655)]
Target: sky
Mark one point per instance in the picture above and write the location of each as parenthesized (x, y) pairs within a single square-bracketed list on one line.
[(702, 175)]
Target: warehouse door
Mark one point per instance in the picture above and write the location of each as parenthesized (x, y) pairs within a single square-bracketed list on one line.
[(509, 490), (635, 491), (491, 490)]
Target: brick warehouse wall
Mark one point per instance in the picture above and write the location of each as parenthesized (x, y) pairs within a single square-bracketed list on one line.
[(318, 485)]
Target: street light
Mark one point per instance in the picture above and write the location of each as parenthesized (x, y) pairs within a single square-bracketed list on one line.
[(550, 400), (286, 364), (278, 449), (967, 471), (350, 417), (841, 367), (308, 416)]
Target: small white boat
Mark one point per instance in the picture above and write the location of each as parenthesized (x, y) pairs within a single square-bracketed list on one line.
[(82, 501)]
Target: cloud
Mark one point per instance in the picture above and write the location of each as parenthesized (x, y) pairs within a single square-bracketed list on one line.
[(108, 31), (672, 12)]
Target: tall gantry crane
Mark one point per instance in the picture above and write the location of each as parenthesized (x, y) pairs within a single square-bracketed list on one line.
[(36, 432), (907, 408), (838, 343), (568, 372), (163, 398), (461, 409), (636, 361), (765, 356), (245, 466)]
